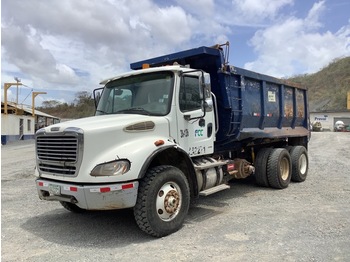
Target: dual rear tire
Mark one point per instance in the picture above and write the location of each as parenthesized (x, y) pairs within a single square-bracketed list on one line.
[(276, 167), (300, 163), (279, 168)]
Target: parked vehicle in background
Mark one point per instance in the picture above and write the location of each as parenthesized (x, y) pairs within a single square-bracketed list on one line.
[(339, 126), (177, 127), (317, 126)]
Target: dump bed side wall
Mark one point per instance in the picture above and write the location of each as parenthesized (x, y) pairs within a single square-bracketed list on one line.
[(260, 106)]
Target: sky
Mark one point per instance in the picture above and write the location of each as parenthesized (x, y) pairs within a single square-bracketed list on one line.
[(66, 46)]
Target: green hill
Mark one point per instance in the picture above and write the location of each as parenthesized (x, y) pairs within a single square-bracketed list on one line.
[(328, 88)]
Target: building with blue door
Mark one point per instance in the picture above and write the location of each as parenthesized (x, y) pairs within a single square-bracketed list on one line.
[(20, 123)]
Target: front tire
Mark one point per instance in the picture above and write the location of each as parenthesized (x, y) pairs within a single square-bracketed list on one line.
[(72, 207), (163, 201)]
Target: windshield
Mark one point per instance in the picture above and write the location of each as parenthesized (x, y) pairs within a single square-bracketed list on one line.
[(147, 94)]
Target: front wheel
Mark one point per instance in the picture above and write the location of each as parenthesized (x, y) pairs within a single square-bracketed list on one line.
[(163, 201), (72, 207)]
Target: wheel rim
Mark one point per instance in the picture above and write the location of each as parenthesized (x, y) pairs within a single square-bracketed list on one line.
[(284, 168), (168, 202), (302, 163)]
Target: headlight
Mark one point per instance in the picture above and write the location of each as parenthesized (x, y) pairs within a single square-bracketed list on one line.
[(113, 168)]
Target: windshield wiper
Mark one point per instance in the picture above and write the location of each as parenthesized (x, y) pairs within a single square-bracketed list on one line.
[(139, 110), (101, 111)]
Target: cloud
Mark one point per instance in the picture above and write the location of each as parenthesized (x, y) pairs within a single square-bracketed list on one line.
[(52, 42), (259, 10), (199, 8), (28, 55), (251, 13), (17, 45), (312, 19), (295, 46), (73, 45), (169, 20)]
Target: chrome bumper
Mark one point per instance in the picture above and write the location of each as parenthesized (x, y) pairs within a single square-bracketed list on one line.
[(90, 197)]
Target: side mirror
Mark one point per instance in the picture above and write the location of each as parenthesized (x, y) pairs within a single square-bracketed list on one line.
[(97, 95), (208, 105), (202, 87), (205, 92)]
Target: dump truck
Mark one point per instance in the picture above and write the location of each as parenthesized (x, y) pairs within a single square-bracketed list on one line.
[(176, 127)]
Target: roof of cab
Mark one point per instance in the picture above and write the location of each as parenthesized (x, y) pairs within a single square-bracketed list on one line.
[(148, 70)]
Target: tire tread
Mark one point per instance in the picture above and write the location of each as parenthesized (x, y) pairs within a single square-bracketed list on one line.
[(295, 154), (261, 167), (273, 170), (141, 208)]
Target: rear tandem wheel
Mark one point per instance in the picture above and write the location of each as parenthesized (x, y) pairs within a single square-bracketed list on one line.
[(300, 163), (279, 168), (261, 167)]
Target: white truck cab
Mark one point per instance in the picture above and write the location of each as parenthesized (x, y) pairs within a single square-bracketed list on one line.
[(145, 118)]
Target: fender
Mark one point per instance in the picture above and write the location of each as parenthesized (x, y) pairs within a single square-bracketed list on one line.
[(134, 149), (178, 158)]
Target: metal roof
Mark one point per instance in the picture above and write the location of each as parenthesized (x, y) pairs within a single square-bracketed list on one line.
[(28, 109)]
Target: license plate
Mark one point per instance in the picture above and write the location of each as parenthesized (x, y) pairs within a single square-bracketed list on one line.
[(54, 189)]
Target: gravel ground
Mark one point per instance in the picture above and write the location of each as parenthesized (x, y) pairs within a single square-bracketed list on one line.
[(307, 221)]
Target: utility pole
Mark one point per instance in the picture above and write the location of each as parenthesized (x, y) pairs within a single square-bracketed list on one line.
[(7, 86), (34, 94)]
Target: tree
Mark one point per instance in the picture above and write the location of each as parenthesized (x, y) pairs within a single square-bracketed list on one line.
[(83, 106), (50, 104), (83, 98)]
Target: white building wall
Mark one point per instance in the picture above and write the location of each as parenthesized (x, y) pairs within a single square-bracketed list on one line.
[(328, 120), (10, 127)]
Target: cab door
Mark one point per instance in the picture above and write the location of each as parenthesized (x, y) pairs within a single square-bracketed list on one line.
[(195, 115)]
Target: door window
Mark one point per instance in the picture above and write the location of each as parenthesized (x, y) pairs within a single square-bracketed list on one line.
[(189, 98)]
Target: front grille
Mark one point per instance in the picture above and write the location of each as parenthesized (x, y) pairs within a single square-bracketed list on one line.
[(65, 170), (56, 148), (58, 154)]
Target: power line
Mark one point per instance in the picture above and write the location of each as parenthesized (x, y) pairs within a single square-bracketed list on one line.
[(27, 95)]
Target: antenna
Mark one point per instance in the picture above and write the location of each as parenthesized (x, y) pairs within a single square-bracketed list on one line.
[(18, 81)]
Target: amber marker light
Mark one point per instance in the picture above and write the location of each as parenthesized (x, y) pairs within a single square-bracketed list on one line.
[(159, 142)]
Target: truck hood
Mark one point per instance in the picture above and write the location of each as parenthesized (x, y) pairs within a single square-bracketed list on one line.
[(106, 138), (95, 124)]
